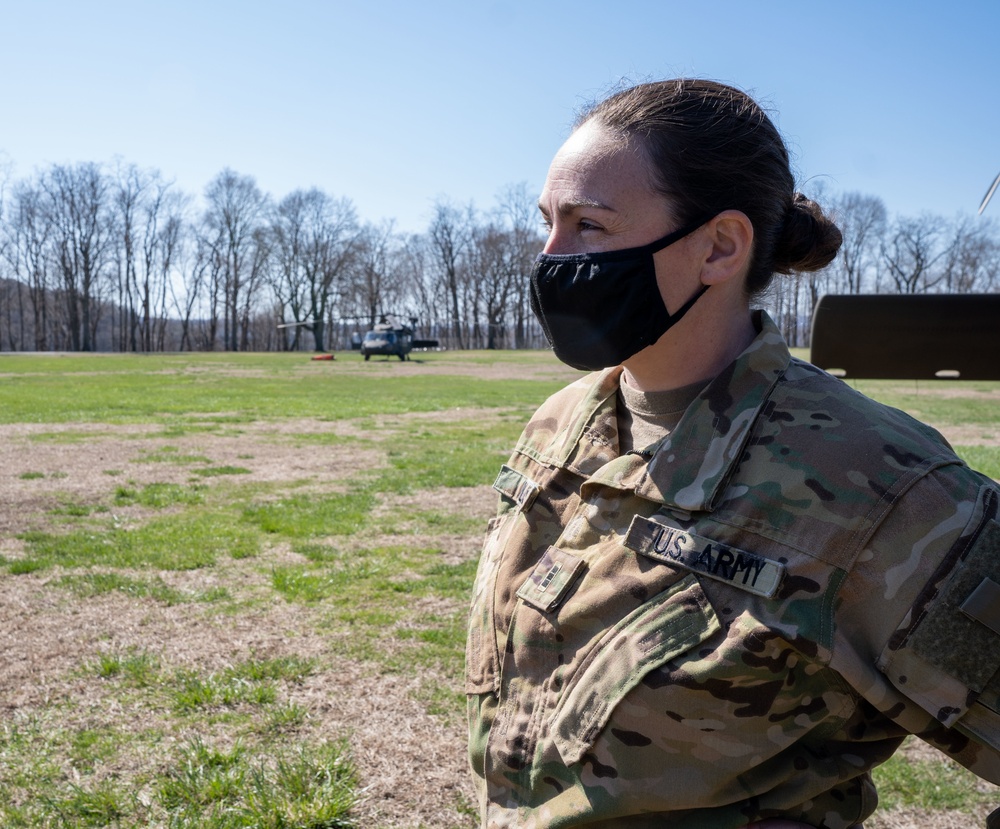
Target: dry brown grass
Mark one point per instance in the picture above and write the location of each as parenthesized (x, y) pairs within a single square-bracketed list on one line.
[(411, 764)]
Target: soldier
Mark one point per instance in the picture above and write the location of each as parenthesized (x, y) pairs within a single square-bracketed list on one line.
[(721, 585)]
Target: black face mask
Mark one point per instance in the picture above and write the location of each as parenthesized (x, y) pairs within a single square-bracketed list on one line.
[(598, 309)]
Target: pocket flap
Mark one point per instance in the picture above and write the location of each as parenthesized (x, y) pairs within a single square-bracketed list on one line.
[(512, 484), (670, 624)]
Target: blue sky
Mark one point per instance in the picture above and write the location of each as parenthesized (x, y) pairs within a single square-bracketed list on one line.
[(395, 104)]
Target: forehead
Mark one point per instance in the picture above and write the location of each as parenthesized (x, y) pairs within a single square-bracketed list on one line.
[(596, 166)]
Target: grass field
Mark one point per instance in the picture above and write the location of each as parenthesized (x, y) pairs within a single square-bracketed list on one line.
[(233, 587)]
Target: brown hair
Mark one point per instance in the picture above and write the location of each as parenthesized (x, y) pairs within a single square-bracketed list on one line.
[(713, 148)]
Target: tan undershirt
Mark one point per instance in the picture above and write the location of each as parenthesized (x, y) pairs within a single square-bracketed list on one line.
[(646, 417)]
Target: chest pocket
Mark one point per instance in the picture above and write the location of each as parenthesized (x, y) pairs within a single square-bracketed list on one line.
[(667, 626), (482, 659)]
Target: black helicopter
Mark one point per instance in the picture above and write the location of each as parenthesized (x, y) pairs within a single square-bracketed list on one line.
[(389, 336)]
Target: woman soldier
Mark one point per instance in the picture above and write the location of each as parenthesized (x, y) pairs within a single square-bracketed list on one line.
[(721, 586)]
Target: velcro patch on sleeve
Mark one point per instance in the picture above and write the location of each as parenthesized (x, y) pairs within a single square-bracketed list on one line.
[(738, 568), (947, 656), (953, 640), (520, 489), (983, 605)]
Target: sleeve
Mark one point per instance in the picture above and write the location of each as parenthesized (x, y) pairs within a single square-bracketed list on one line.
[(933, 589)]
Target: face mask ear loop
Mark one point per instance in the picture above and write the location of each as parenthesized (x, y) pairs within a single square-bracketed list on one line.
[(675, 236), (676, 316)]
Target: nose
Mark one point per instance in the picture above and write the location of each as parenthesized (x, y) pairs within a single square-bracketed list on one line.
[(558, 241)]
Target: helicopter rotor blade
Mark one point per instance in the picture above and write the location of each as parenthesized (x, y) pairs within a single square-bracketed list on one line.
[(989, 194)]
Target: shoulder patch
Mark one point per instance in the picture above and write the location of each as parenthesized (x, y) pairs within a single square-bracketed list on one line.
[(738, 568), (520, 489)]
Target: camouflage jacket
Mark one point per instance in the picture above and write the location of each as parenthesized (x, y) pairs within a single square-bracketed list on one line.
[(738, 623)]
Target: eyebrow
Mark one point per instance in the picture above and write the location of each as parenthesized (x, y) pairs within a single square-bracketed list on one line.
[(568, 206)]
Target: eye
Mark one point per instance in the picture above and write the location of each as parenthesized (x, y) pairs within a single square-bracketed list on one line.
[(586, 224)]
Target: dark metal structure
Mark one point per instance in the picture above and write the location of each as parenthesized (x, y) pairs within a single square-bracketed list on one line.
[(908, 336)]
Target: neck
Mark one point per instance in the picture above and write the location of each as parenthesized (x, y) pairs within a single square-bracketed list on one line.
[(694, 350)]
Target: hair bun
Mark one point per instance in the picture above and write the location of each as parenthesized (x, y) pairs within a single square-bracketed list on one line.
[(808, 240)]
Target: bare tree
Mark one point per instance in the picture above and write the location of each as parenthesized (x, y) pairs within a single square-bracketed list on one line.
[(493, 260), (862, 221), (235, 214), (195, 264), (449, 236), (912, 253), (77, 207), (26, 233), (313, 238), (517, 208), (972, 260), (377, 275), (424, 289), (168, 245)]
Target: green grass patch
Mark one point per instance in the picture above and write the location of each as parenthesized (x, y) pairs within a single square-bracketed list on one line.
[(303, 787), (90, 747), (216, 471), (309, 516), (76, 510), (373, 591), (282, 718), (88, 585), (31, 476), (138, 667), (181, 542), (407, 521), (200, 786), (967, 402), (104, 803), (238, 388), (986, 459), (928, 785), (252, 682), (448, 454), (192, 691), (68, 436), (170, 454), (159, 496), (317, 552)]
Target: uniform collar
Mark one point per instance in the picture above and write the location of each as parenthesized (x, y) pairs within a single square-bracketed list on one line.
[(688, 469)]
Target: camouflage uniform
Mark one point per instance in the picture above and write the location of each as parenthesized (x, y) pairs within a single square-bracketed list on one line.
[(737, 624)]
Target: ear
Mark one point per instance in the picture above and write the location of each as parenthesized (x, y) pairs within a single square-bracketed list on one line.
[(730, 235)]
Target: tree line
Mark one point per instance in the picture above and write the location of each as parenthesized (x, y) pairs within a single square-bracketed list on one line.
[(116, 258), (883, 254)]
